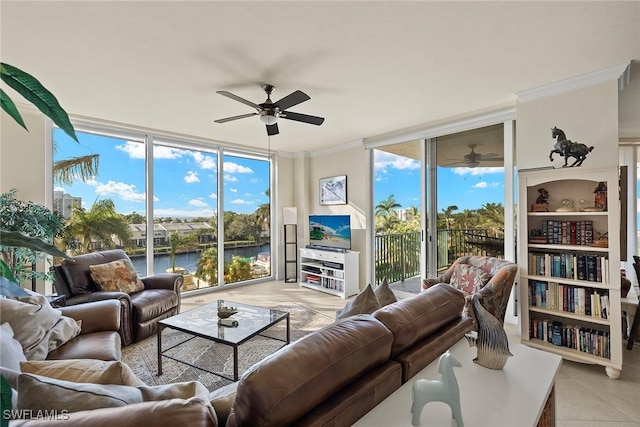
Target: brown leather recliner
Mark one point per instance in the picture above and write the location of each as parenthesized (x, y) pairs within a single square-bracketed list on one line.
[(140, 311)]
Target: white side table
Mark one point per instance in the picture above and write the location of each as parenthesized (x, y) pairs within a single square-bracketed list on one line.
[(514, 396)]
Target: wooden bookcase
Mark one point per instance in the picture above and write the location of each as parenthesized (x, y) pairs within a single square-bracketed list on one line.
[(335, 273), (569, 277)]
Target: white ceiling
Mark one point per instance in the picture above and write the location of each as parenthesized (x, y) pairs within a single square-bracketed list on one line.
[(370, 68)]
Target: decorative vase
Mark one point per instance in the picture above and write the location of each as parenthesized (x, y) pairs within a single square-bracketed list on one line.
[(625, 284), (492, 342)]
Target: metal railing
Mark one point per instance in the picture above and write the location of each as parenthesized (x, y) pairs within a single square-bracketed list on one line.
[(397, 256)]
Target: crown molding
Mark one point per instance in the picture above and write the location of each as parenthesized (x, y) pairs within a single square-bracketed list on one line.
[(337, 148), (621, 72)]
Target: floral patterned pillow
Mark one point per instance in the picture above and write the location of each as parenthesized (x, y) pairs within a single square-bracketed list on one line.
[(117, 275), (469, 278)]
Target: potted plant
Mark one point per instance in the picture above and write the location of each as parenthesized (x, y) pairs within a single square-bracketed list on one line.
[(33, 91)]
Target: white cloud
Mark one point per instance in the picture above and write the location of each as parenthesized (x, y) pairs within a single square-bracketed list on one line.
[(383, 160), (233, 190), (198, 203), (120, 189), (191, 177), (59, 189), (230, 178), (476, 171), (205, 162), (213, 195), (484, 184), (136, 150), (241, 202), (232, 167)]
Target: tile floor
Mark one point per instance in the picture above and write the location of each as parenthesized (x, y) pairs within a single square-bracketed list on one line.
[(585, 396)]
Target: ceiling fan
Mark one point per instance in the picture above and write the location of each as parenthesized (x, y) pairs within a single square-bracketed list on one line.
[(270, 111), (473, 158)]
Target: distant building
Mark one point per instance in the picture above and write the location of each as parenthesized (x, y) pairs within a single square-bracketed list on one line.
[(64, 203), (162, 232)]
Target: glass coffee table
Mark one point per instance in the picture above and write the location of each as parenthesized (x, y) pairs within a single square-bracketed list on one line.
[(203, 323)]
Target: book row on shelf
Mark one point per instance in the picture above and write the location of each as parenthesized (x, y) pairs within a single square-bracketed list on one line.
[(325, 282), (589, 267), (565, 233), (325, 272), (586, 340), (569, 298)]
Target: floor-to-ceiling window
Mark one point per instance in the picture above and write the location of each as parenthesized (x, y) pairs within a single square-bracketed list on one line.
[(185, 185)]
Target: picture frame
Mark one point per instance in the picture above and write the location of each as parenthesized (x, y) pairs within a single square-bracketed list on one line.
[(333, 190)]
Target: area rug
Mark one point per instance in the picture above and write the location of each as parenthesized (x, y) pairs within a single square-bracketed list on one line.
[(143, 360)]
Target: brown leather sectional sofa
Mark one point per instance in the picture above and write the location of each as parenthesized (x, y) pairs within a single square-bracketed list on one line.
[(339, 373)]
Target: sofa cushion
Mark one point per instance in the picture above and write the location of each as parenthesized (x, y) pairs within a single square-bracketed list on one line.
[(11, 353), (118, 275), (364, 303), (384, 294), (83, 371), (298, 377), (38, 393), (469, 278), (38, 327), (77, 273), (414, 318)]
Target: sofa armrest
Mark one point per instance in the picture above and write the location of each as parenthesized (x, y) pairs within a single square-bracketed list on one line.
[(222, 401), (124, 298), (169, 281), (96, 316)]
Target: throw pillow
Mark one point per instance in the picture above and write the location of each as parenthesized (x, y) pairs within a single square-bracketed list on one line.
[(118, 275), (83, 371), (11, 353), (38, 393), (384, 294), (469, 278), (38, 327), (365, 303)]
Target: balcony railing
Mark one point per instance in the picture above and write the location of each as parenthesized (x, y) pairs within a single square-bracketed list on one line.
[(397, 256)]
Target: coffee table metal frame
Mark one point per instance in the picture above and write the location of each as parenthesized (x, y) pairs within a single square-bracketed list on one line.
[(202, 322)]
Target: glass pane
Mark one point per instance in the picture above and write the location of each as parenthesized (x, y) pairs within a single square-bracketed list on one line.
[(247, 218), (185, 214), (107, 210), (397, 209), (470, 188)]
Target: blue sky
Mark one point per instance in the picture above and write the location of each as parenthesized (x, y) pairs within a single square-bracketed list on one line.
[(185, 183), (185, 180), (467, 188)]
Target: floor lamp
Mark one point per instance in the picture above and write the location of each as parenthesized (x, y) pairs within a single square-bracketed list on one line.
[(290, 220)]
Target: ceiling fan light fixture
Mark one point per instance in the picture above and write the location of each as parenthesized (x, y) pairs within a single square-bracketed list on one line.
[(268, 118)]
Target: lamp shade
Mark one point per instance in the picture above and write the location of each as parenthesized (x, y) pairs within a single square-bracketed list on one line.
[(290, 216)]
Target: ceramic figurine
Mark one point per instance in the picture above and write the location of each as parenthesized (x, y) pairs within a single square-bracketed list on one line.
[(492, 343), (443, 390), (567, 148)]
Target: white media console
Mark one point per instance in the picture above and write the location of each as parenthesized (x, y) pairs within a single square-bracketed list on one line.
[(335, 273)]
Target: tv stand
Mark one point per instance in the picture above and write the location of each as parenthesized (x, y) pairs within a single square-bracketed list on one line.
[(333, 272), (326, 248)]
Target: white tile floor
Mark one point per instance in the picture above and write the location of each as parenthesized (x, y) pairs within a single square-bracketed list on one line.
[(585, 396)]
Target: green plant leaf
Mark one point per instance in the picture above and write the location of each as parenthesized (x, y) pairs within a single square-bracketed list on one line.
[(5, 271), (19, 240), (33, 91), (11, 109)]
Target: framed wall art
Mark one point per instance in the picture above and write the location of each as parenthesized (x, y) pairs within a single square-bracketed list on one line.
[(333, 190)]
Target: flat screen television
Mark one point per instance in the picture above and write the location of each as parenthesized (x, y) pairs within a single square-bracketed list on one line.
[(330, 232)]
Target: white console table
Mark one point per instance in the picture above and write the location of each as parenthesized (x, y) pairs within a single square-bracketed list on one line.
[(518, 395)]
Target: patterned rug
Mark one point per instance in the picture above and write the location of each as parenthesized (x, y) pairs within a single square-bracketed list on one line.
[(143, 360)]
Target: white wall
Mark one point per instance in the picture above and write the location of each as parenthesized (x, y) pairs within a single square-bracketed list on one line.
[(588, 115)]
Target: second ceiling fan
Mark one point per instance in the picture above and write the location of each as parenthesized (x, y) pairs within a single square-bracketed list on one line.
[(270, 111), (473, 158)]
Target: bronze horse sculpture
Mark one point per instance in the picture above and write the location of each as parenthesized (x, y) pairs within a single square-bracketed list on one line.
[(567, 148)]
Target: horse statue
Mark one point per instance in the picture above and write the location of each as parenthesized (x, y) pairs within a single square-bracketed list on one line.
[(443, 390), (567, 148)]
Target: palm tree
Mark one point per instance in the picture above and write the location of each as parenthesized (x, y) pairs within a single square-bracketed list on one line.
[(101, 222), (181, 243), (387, 207), (208, 266), (492, 216), (66, 171), (466, 219), (447, 213)]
